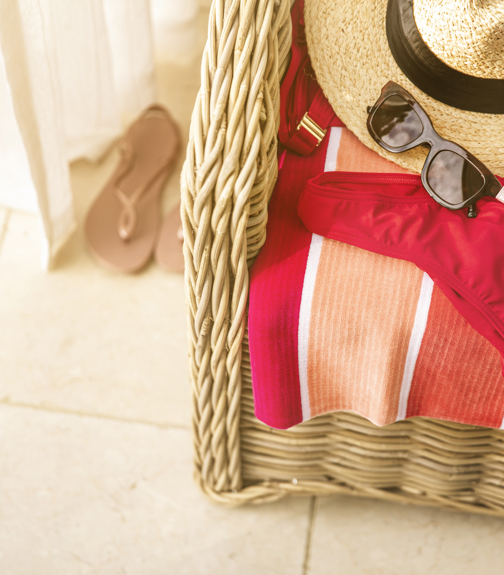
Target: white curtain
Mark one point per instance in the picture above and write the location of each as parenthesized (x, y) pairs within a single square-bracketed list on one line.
[(72, 75)]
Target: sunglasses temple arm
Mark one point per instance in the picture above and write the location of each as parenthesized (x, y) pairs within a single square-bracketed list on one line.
[(471, 211)]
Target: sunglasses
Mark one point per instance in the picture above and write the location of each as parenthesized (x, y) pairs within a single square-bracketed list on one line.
[(451, 175)]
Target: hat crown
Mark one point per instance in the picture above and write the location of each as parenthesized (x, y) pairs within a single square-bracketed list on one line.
[(467, 35)]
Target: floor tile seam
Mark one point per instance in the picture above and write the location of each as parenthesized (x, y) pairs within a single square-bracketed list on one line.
[(3, 228), (309, 532), (100, 416)]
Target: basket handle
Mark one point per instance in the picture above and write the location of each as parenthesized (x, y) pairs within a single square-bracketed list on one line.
[(227, 180)]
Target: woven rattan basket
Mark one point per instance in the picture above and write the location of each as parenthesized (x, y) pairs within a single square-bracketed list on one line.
[(227, 181)]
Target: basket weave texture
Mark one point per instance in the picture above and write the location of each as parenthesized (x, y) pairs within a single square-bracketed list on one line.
[(227, 181)]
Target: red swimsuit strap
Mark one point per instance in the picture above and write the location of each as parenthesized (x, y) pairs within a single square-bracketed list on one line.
[(305, 114)]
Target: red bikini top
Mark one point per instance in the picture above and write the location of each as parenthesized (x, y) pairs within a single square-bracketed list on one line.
[(305, 113)]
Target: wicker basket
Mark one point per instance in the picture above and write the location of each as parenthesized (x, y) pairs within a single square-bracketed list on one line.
[(227, 181)]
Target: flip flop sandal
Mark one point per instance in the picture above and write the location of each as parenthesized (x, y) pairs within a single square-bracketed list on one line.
[(122, 225), (169, 254)]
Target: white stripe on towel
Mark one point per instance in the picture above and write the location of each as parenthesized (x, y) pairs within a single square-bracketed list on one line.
[(304, 321), (309, 285), (417, 333), (332, 149)]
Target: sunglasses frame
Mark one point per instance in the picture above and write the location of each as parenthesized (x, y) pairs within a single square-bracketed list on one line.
[(430, 138)]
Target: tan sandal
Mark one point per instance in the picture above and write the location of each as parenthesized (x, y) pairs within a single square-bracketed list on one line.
[(122, 225), (169, 253)]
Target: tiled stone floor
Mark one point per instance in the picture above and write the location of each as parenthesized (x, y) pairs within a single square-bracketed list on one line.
[(95, 446)]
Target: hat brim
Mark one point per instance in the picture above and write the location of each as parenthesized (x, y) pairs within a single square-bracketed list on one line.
[(351, 57)]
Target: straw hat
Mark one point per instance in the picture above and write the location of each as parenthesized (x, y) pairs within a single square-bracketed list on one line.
[(449, 54)]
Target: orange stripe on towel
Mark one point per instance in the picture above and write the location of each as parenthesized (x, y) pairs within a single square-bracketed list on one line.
[(354, 156), (462, 369), (362, 315)]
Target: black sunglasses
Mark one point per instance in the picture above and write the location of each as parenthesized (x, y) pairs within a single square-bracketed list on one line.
[(451, 175)]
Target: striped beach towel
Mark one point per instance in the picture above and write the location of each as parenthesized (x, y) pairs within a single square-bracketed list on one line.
[(335, 327)]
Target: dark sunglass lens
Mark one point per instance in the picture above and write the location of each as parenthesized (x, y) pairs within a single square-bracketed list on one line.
[(453, 178), (396, 123)]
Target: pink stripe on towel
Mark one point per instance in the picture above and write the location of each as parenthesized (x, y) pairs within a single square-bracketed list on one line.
[(276, 296)]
